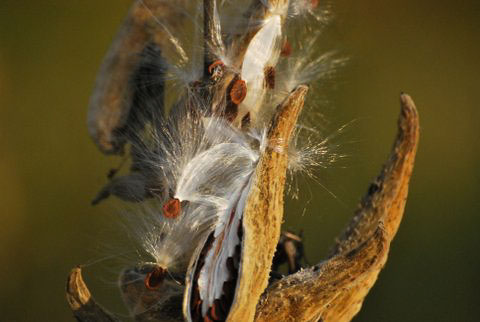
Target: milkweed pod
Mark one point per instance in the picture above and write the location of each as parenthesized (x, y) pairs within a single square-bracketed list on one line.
[(228, 271)]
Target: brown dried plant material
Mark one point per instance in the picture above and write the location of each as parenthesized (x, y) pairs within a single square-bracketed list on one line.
[(81, 302), (111, 101), (238, 91), (261, 223), (264, 210), (384, 204), (330, 291), (334, 290), (270, 77), (304, 296)]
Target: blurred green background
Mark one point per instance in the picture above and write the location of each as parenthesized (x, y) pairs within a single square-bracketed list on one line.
[(50, 52)]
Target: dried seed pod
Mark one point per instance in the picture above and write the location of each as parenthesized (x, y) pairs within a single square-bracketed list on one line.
[(111, 102), (334, 289), (269, 77), (229, 271)]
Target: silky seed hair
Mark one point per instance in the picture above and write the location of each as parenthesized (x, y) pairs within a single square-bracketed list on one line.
[(201, 160), (198, 153), (201, 179)]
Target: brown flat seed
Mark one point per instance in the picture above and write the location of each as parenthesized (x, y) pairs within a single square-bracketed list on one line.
[(238, 91), (172, 208), (269, 73)]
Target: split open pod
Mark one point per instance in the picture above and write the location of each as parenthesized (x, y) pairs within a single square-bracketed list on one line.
[(215, 167)]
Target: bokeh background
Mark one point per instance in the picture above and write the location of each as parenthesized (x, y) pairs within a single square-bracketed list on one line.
[(50, 52)]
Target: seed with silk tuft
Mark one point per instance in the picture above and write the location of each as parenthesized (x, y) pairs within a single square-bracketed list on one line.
[(172, 208), (238, 91)]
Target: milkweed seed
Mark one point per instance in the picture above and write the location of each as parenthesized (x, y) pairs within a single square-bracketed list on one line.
[(172, 208)]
